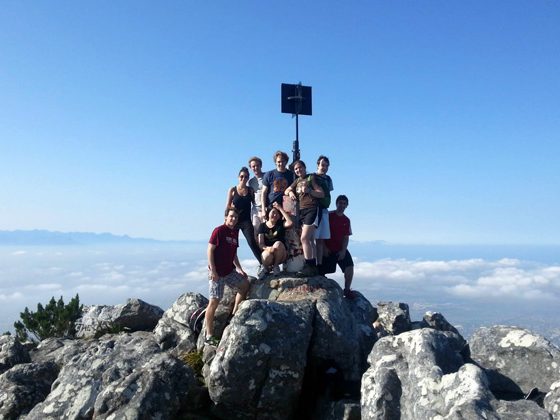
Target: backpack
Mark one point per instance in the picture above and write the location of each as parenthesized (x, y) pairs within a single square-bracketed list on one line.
[(196, 320), (324, 202)]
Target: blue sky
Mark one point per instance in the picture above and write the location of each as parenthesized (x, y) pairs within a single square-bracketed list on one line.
[(441, 118)]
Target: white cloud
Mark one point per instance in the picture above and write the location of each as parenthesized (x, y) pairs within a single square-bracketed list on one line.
[(17, 253)]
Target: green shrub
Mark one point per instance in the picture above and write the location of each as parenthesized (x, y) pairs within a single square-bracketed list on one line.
[(53, 320)]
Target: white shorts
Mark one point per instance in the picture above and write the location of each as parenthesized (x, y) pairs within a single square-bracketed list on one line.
[(323, 230)]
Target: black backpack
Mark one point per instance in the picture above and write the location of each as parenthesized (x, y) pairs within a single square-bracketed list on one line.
[(196, 320)]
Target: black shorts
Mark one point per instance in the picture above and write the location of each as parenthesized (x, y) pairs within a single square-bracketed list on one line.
[(308, 216), (330, 262)]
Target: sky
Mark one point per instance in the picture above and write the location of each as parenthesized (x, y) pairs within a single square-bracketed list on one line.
[(441, 118)]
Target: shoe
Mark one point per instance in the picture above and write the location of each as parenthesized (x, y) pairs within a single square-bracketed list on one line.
[(349, 294), (307, 271), (212, 341), (261, 272), (276, 270)]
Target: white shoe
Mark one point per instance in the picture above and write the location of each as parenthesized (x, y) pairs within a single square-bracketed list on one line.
[(261, 272), (276, 270)]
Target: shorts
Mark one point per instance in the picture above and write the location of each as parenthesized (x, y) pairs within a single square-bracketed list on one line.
[(216, 288), (324, 229), (330, 262), (309, 216), (256, 216)]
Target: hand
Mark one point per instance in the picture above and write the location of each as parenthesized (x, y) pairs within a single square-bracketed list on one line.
[(214, 275), (243, 273), (341, 255)]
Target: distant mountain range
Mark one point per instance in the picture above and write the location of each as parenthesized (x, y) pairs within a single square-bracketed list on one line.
[(47, 237)]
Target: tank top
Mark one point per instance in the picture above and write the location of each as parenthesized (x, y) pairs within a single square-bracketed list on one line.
[(242, 204)]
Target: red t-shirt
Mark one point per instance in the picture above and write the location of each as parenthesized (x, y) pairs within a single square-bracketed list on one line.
[(340, 227), (226, 243)]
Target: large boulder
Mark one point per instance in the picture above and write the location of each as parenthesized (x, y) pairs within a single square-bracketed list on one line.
[(259, 366), (173, 330), (24, 386), (516, 360), (57, 350), (134, 315), (123, 376), (421, 375), (552, 400), (11, 352), (394, 318)]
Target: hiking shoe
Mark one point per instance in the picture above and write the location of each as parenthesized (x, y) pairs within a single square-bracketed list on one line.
[(276, 270), (349, 294), (212, 341), (261, 272), (307, 271)]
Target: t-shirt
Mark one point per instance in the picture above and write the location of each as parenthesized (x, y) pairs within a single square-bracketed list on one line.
[(326, 184), (277, 182), (340, 227), (273, 234), (256, 184), (306, 200), (226, 241)]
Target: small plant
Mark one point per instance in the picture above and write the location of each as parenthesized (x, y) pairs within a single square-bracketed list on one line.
[(53, 320), (194, 360)]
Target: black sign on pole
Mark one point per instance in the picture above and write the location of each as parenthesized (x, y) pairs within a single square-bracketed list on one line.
[(296, 100)]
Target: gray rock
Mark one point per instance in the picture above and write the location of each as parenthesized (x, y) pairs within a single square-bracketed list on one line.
[(515, 359), (134, 315), (341, 410), (420, 375), (172, 330), (519, 410), (258, 368), (57, 350), (122, 376), (552, 400), (11, 352), (24, 386), (394, 318)]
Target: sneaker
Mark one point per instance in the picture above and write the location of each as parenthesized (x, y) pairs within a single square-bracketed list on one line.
[(212, 341), (261, 272), (349, 294), (276, 270), (307, 271)]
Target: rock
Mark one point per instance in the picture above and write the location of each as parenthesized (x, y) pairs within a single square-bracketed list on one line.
[(24, 386), (259, 366), (394, 318), (172, 330), (122, 376), (519, 410), (515, 359), (134, 315), (341, 410), (11, 352), (57, 350), (552, 400), (420, 375)]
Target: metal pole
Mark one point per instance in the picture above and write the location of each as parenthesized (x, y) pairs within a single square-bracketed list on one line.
[(296, 142)]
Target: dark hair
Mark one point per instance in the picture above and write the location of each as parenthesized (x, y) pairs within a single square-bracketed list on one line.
[(244, 169), (269, 209), (254, 158), (341, 197), (300, 162), (282, 154), (233, 209), (323, 157)]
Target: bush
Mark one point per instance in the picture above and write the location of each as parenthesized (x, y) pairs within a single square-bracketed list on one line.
[(54, 320)]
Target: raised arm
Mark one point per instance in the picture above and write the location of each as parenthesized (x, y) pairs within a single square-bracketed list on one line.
[(288, 218)]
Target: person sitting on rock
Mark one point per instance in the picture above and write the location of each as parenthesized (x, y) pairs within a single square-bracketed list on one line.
[(336, 248), (306, 191), (224, 268), (272, 237)]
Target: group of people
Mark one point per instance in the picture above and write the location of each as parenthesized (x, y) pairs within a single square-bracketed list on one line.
[(263, 207)]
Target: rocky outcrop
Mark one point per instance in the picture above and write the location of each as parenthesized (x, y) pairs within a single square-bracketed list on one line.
[(24, 386), (515, 360), (11, 353), (295, 349), (134, 315), (173, 330), (122, 376)]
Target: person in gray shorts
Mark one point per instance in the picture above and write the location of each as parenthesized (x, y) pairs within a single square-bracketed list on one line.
[(224, 269)]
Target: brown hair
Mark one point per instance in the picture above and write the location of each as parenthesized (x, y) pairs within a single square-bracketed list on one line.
[(282, 154), (255, 158)]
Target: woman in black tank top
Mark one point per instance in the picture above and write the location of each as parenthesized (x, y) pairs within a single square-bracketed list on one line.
[(241, 197)]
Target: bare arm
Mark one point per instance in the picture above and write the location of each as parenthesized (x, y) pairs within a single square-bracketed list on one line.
[(342, 252), (264, 193), (229, 198), (288, 219)]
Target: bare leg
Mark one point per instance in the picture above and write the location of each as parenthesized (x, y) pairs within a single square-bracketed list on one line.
[(241, 295), (209, 316), (348, 275), (267, 259), (280, 253), (308, 241)]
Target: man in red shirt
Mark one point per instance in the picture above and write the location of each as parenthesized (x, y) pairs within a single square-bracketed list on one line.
[(336, 246), (224, 268)]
